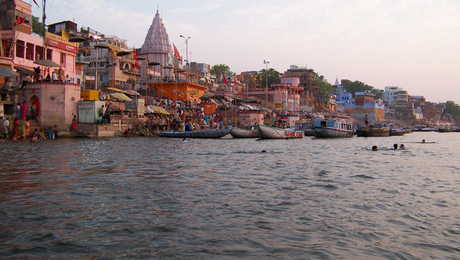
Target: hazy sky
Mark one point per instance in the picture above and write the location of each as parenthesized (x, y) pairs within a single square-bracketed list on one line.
[(414, 44)]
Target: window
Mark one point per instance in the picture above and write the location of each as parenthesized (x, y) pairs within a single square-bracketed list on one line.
[(49, 54), (63, 61), (20, 47), (6, 51), (39, 53), (30, 51)]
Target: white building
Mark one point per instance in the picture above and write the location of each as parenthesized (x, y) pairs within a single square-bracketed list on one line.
[(393, 94)]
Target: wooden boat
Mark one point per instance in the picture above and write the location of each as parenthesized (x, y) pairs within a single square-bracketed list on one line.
[(309, 132), (333, 128), (206, 133), (245, 133), (373, 131), (446, 130), (397, 132), (267, 132), (305, 126)]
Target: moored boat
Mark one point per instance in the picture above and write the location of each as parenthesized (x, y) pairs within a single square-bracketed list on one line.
[(206, 133), (245, 133), (333, 128), (309, 132), (305, 126), (267, 132), (373, 131), (397, 132), (446, 130)]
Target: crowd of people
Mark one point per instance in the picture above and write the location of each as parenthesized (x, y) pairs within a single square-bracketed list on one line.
[(176, 116), (20, 125)]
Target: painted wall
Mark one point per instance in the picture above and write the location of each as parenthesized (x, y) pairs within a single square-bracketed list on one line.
[(58, 102)]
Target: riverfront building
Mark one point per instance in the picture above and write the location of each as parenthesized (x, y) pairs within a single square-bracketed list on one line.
[(44, 67)]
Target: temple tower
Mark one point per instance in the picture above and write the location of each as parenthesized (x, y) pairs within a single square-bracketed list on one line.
[(156, 53)]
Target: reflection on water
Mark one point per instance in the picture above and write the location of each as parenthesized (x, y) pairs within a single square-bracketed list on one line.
[(165, 198)]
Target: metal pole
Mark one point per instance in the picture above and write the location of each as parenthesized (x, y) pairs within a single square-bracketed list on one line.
[(186, 51), (266, 62), (44, 19), (97, 59)]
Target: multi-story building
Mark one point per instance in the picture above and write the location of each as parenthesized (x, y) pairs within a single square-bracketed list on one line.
[(53, 92), (284, 98), (365, 105), (203, 69), (393, 93), (309, 97), (342, 96), (110, 63)]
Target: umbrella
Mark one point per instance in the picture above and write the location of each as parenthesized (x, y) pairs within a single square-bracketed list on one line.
[(159, 110), (5, 72), (121, 97), (101, 46), (132, 92), (118, 90), (123, 53), (77, 39), (46, 63)]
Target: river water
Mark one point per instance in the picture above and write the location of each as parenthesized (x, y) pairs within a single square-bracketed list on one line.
[(151, 198)]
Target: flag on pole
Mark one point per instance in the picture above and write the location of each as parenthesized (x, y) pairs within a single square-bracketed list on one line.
[(177, 53)]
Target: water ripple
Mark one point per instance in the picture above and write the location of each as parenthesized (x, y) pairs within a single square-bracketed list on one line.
[(225, 199)]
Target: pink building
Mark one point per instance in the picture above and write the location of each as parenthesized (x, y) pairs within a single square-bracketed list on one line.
[(25, 47), (283, 97), (22, 48)]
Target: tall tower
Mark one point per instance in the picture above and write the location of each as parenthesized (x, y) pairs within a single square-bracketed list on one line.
[(157, 50)]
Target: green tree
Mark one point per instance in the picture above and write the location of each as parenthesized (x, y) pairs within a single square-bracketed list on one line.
[(358, 86), (453, 109), (220, 71), (270, 76), (37, 26), (325, 89)]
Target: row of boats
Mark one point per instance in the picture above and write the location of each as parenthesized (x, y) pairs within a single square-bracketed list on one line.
[(261, 131), (322, 128)]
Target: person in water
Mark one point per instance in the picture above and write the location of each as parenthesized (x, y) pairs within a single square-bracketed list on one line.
[(395, 146), (375, 148), (402, 147), (423, 141)]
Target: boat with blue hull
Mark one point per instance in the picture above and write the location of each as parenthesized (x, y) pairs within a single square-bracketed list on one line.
[(205, 133)]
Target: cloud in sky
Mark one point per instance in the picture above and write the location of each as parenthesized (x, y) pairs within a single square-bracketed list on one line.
[(410, 43)]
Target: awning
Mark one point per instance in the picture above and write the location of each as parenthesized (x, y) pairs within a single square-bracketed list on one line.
[(47, 63), (118, 90), (121, 97), (6, 72), (24, 70), (159, 110)]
